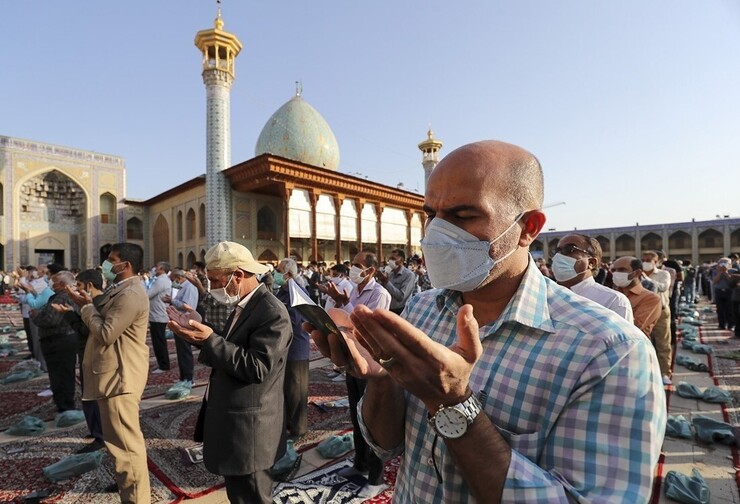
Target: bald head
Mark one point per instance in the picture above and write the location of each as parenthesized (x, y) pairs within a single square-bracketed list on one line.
[(506, 172)]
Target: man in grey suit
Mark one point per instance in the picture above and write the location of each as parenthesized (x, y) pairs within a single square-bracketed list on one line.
[(241, 418)]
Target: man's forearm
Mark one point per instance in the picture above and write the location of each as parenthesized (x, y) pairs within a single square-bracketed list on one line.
[(384, 411), (483, 456)]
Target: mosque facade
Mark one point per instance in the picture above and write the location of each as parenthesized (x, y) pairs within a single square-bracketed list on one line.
[(59, 204)]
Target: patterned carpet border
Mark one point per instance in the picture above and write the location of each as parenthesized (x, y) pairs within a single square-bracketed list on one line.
[(325, 486)]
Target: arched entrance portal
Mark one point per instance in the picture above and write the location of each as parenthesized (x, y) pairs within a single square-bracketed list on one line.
[(52, 213)]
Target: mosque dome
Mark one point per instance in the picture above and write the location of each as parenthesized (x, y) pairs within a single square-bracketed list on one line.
[(297, 131)]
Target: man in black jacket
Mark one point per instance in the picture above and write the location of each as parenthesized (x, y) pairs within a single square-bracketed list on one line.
[(241, 418)]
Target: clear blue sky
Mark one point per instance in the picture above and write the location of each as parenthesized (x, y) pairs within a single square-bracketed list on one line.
[(632, 107)]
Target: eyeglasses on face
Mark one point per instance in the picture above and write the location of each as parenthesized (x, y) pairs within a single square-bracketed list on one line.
[(569, 249)]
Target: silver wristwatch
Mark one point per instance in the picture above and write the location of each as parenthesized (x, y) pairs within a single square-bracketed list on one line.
[(451, 422)]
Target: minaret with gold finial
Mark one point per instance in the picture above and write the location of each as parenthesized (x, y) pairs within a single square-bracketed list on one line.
[(219, 49), (430, 154)]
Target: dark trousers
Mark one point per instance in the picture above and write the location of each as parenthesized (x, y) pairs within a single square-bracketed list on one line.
[(295, 390), (60, 353), (397, 311), (159, 343), (29, 339), (736, 315), (724, 307), (365, 458), (255, 488), (90, 408), (184, 358)]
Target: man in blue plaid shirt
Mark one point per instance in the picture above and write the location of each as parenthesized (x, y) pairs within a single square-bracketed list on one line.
[(499, 385)]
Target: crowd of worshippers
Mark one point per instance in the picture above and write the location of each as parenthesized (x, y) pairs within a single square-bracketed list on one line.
[(646, 290), (489, 372)]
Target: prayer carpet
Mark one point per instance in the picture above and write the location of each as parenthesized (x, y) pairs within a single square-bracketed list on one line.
[(325, 486), (21, 473)]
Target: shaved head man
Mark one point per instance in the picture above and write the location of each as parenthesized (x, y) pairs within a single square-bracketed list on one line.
[(498, 378)]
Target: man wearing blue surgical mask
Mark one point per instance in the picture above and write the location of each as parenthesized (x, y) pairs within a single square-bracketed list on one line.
[(573, 263), (499, 385)]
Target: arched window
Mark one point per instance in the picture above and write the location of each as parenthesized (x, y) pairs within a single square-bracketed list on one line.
[(134, 229), (625, 245), (679, 240), (107, 208), (202, 220), (190, 225), (651, 241), (179, 226), (161, 239), (202, 255), (179, 260), (266, 224), (191, 259)]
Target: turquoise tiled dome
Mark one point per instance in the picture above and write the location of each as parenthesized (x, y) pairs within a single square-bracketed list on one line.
[(297, 131)]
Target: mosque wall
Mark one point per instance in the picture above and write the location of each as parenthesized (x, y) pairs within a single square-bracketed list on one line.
[(697, 241), (175, 229), (259, 224), (51, 205)]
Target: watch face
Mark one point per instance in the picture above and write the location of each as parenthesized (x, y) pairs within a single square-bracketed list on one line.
[(450, 423)]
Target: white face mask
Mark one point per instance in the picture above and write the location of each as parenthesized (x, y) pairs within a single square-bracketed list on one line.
[(456, 259), (621, 278), (221, 296), (564, 267), (648, 266), (355, 274), (335, 280)]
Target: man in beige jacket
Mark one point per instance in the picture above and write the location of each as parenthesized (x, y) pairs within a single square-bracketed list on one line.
[(116, 365)]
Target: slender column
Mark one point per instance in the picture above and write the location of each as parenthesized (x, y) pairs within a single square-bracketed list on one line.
[(379, 213), (360, 205), (338, 228), (409, 216), (314, 241), (286, 217)]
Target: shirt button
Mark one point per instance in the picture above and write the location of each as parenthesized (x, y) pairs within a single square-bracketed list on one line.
[(430, 461)]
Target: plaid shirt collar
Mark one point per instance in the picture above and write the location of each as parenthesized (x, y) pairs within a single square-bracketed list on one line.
[(527, 307)]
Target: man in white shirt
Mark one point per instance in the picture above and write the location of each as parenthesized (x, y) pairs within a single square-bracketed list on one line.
[(338, 276), (576, 258), (158, 289), (368, 292)]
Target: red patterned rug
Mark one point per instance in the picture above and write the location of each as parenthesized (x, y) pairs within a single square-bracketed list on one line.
[(21, 473)]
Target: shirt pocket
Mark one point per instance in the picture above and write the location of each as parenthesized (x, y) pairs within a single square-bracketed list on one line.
[(528, 444)]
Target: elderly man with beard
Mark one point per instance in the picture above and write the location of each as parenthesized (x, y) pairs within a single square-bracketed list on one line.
[(499, 385)]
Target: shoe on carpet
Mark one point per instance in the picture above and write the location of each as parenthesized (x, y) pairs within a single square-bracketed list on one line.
[(159, 371), (369, 491), (338, 378), (112, 488), (91, 447), (667, 380), (351, 472), (45, 393)]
